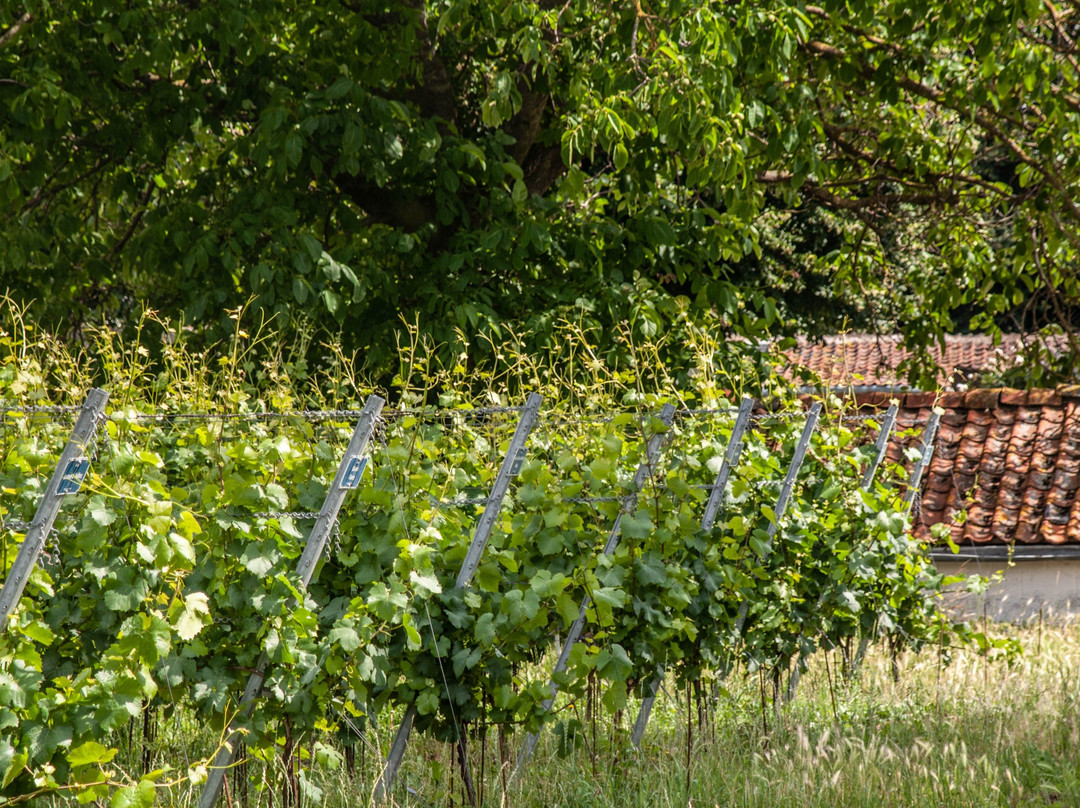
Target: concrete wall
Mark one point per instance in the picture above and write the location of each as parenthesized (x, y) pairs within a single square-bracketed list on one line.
[(1028, 586)]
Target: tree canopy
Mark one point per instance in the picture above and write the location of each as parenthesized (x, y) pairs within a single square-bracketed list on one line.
[(776, 166)]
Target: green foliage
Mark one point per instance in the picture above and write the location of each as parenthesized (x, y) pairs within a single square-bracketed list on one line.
[(472, 166), (172, 569)]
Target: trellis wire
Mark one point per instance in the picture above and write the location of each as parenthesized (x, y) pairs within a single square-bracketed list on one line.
[(47, 409), (451, 414), (323, 415), (390, 414)]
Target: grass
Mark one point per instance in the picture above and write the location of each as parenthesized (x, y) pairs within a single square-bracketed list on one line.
[(970, 733)]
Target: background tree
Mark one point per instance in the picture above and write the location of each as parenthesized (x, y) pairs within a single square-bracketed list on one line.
[(776, 166)]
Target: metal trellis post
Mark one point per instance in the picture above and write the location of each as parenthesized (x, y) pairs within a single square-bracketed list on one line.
[(882, 442), (712, 509), (652, 451), (347, 477), (66, 479), (924, 461), (511, 465), (793, 469)]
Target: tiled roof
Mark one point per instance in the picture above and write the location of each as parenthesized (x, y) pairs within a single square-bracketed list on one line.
[(853, 360), (1011, 458)]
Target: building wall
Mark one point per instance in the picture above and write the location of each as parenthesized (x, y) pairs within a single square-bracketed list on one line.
[(1051, 585)]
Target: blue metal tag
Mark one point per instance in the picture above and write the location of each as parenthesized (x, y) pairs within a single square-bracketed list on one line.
[(73, 476), (519, 461), (353, 472)]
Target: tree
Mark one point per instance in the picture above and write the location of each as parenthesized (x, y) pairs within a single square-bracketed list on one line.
[(472, 164)]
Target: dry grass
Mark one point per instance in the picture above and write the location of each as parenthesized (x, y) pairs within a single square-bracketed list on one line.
[(970, 733)]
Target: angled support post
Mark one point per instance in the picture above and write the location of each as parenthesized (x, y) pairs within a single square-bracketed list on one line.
[(924, 461), (652, 452), (793, 469), (66, 479), (712, 509), (785, 493), (346, 478), (887, 424), (511, 465)]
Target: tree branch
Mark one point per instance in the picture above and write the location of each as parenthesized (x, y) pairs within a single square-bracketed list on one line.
[(13, 31)]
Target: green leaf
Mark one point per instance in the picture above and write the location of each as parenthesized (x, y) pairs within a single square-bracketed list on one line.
[(38, 632), (426, 583), (637, 525), (327, 757), (89, 753), (15, 767), (488, 577), (100, 512), (567, 607), (609, 596), (760, 543), (545, 585), (651, 570), (194, 615), (294, 149), (137, 796), (346, 637), (620, 156), (414, 641), (615, 696), (427, 703), (485, 630), (7, 755)]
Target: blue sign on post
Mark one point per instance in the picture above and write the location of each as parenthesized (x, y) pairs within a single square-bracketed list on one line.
[(519, 461), (73, 476), (354, 471)]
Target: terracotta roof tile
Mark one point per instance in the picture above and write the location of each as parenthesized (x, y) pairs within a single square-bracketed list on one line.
[(1014, 467), (1072, 530), (872, 360)]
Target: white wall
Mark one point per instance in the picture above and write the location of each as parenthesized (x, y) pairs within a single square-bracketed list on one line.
[(1052, 585)]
